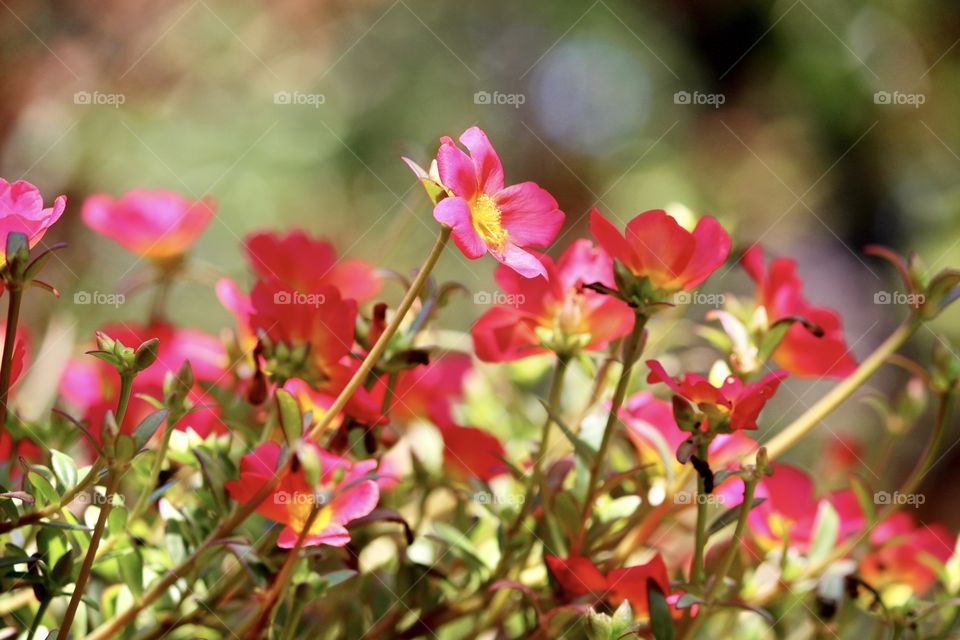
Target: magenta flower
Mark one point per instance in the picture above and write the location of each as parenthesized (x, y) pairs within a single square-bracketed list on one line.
[(154, 224), (485, 215), (21, 210)]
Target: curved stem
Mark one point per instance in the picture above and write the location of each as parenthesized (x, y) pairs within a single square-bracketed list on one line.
[(631, 351), (9, 340), (113, 479), (826, 405), (141, 505), (373, 356), (240, 512)]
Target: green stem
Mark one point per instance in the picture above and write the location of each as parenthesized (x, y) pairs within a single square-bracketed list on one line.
[(113, 479), (41, 610), (631, 351), (240, 513), (9, 340), (126, 388), (700, 541), (828, 403), (726, 564)]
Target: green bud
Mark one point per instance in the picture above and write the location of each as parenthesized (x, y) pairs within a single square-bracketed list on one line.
[(146, 354)]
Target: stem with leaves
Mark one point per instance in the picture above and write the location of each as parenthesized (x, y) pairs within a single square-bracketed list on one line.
[(631, 351)]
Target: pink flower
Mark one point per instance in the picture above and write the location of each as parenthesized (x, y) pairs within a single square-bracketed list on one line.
[(304, 263), (556, 314), (780, 292), (656, 247), (21, 210), (733, 405), (485, 215), (789, 508), (154, 224), (347, 490)]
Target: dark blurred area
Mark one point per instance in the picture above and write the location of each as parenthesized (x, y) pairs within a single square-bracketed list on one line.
[(814, 127)]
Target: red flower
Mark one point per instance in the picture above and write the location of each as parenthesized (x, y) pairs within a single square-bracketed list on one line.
[(578, 577), (487, 216), (780, 292), (21, 210), (905, 553), (556, 314), (734, 404), (11, 452), (656, 247), (471, 452), (304, 264), (157, 224), (347, 493)]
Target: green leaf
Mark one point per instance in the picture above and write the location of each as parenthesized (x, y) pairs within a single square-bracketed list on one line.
[(585, 451), (148, 427), (60, 524), (117, 521), (826, 526), (64, 467), (42, 488), (729, 517), (661, 623), (291, 420), (131, 570)]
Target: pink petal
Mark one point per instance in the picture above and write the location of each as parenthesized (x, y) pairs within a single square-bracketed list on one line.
[(523, 262), (457, 171), (455, 213), (663, 248), (529, 214), (489, 170), (355, 502)]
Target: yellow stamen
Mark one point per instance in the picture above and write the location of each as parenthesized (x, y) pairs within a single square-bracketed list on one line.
[(486, 222)]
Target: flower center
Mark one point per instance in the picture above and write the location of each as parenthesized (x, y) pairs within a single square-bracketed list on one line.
[(486, 222)]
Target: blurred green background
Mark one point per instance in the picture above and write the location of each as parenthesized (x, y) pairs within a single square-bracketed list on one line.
[(814, 126)]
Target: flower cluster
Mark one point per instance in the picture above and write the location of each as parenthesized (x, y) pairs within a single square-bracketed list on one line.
[(331, 460)]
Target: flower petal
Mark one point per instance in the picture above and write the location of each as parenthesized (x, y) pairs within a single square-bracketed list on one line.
[(489, 169), (529, 214), (457, 171), (455, 213)]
